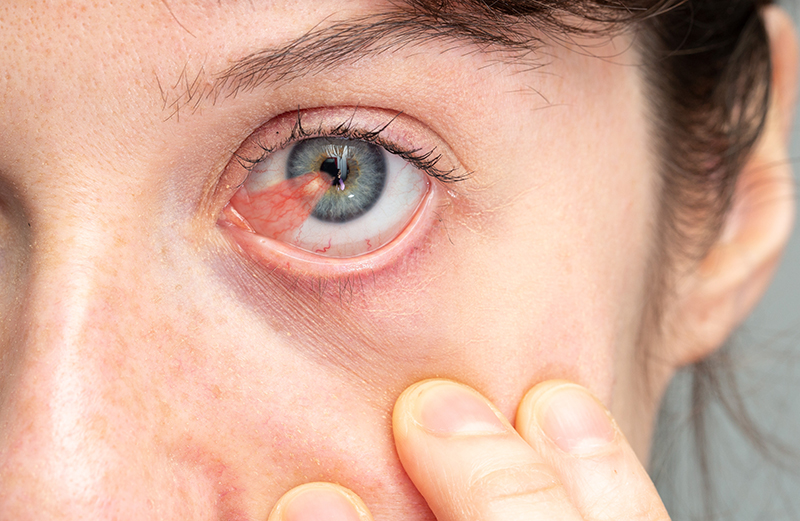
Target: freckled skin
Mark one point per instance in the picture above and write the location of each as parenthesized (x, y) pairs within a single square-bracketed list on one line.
[(151, 370)]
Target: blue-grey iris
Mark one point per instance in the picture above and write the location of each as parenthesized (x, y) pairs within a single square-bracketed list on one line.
[(357, 166)]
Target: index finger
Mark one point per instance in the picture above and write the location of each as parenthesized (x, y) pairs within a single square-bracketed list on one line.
[(469, 463)]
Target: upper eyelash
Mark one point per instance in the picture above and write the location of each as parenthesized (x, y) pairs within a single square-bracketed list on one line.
[(425, 161)]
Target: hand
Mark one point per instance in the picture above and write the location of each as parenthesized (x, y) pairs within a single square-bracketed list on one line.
[(567, 461)]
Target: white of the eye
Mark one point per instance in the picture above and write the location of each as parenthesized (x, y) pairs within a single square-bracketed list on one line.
[(268, 172), (404, 189)]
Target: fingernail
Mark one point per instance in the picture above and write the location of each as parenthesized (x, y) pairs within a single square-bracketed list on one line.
[(447, 408), (317, 502), (575, 420)]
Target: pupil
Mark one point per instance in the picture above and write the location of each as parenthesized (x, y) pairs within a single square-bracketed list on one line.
[(360, 164), (329, 167)]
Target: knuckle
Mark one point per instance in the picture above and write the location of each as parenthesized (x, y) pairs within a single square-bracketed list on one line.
[(645, 506), (652, 513), (637, 505), (521, 483)]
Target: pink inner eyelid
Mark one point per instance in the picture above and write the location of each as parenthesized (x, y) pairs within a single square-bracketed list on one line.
[(276, 254)]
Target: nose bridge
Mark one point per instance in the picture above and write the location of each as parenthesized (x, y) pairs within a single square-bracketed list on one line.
[(71, 282), (82, 238), (65, 412)]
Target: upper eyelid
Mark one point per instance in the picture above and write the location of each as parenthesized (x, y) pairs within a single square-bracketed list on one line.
[(299, 132), (345, 125)]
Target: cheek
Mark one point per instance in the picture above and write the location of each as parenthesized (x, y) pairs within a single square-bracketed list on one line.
[(250, 412), (553, 296), (300, 374), (528, 285), (498, 299)]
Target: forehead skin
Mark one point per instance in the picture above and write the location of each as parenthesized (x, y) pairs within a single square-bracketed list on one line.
[(150, 370)]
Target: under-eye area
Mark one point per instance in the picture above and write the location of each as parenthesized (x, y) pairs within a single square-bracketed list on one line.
[(344, 187)]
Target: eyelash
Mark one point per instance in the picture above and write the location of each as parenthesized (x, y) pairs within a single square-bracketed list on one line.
[(425, 161)]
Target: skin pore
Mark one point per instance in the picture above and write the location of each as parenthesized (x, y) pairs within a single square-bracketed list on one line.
[(159, 362)]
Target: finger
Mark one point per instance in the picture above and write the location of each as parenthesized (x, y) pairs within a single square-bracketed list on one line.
[(578, 438), (315, 501), (468, 462)]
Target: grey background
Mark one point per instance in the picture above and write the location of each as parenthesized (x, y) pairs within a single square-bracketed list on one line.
[(747, 484)]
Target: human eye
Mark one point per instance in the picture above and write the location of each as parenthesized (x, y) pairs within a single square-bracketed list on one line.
[(335, 185)]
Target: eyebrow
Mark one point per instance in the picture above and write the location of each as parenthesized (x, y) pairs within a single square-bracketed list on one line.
[(326, 47)]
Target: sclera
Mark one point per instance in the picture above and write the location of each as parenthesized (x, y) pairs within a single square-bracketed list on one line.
[(278, 255)]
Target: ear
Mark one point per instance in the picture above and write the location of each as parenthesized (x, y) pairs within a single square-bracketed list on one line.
[(729, 281)]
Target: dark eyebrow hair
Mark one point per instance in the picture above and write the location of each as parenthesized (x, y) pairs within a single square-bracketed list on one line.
[(509, 29), (326, 47)]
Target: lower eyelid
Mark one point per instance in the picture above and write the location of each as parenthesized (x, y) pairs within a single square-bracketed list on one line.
[(276, 255)]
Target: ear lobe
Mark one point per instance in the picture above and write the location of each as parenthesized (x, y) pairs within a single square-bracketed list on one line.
[(737, 270)]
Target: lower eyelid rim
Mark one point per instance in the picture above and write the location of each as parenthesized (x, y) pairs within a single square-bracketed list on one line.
[(280, 255)]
